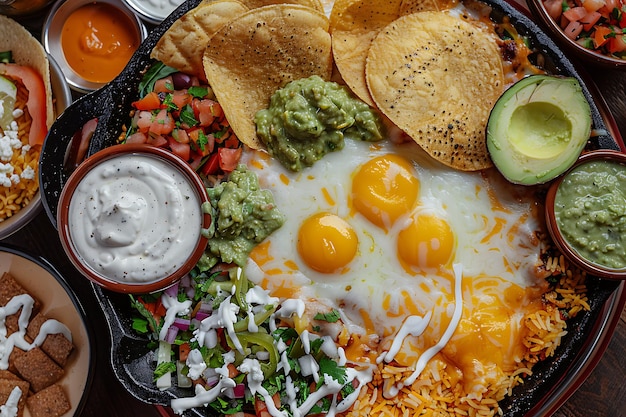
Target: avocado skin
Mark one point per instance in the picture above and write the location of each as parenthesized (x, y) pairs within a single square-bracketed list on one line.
[(538, 128)]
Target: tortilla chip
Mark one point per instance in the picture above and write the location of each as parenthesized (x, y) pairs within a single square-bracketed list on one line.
[(353, 25), (414, 6), (183, 44), (29, 52), (255, 4), (261, 51), (437, 78)]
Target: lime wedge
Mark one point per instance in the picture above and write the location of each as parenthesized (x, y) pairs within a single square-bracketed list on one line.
[(8, 92)]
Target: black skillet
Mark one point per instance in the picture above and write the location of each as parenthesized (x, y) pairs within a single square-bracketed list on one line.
[(130, 357)]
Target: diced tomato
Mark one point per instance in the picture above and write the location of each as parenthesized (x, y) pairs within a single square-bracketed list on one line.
[(181, 98), (600, 36), (229, 158), (164, 85), (232, 142), (211, 166), (573, 29), (206, 110), (37, 100), (180, 135), (593, 5), (202, 148), (181, 149), (157, 141), (554, 8), (590, 20), (183, 351), (150, 101), (163, 123), (617, 44), (574, 14), (143, 119), (80, 143), (137, 137)]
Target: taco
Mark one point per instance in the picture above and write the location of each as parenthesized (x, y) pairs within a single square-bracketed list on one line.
[(26, 114)]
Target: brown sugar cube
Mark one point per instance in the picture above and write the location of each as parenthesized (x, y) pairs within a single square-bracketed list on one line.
[(55, 345), (6, 388), (15, 353), (49, 402), (6, 374), (10, 288), (37, 368)]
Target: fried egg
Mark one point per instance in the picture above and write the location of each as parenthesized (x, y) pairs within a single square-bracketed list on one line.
[(374, 230)]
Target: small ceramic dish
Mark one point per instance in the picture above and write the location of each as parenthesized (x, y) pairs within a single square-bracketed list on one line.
[(62, 99), (98, 47), (153, 11), (539, 11), (130, 218), (44, 283), (578, 213)]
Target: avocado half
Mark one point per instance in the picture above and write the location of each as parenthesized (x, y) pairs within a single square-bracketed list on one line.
[(538, 128)]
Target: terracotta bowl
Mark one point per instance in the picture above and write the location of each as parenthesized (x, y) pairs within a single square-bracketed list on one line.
[(571, 46), (555, 228), (121, 216)]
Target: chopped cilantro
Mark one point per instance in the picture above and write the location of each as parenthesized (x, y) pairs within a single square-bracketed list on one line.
[(198, 92), (331, 368), (140, 325), (187, 116), (155, 72), (163, 368), (331, 317)]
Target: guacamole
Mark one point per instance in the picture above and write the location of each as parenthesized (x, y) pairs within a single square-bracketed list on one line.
[(242, 215), (310, 117), (590, 208)]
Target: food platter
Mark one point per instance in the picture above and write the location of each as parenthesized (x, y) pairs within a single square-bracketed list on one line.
[(47, 285), (130, 355)]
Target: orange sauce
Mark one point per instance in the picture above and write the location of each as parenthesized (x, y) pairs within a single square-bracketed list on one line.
[(98, 40)]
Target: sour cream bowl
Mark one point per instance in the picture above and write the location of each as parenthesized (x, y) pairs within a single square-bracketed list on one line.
[(586, 213), (131, 218)]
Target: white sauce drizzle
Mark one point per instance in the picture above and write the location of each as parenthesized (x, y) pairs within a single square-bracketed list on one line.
[(17, 339), (10, 408), (427, 355)]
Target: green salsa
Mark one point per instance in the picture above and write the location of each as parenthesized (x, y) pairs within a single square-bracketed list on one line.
[(242, 215), (310, 117), (590, 208)]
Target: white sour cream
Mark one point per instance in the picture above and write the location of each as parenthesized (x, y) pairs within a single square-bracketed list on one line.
[(134, 218), (155, 9)]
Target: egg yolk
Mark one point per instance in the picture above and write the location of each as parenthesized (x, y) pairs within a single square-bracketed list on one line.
[(326, 242), (428, 242), (384, 189)]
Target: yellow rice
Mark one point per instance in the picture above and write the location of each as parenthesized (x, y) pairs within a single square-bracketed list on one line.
[(18, 196), (433, 394)]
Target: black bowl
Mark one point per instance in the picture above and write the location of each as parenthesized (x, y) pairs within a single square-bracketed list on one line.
[(552, 380)]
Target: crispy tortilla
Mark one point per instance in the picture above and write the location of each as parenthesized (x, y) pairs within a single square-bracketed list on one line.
[(29, 52), (254, 4), (353, 25), (247, 60), (437, 77), (183, 44)]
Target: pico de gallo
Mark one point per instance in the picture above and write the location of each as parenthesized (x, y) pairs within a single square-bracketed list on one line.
[(598, 25), (177, 112), (242, 351)]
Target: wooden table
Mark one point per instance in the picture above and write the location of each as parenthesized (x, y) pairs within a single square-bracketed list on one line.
[(602, 394)]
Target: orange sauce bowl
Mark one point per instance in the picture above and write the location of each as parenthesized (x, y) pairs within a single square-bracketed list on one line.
[(91, 41)]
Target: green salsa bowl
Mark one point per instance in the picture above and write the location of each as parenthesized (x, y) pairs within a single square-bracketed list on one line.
[(586, 213)]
